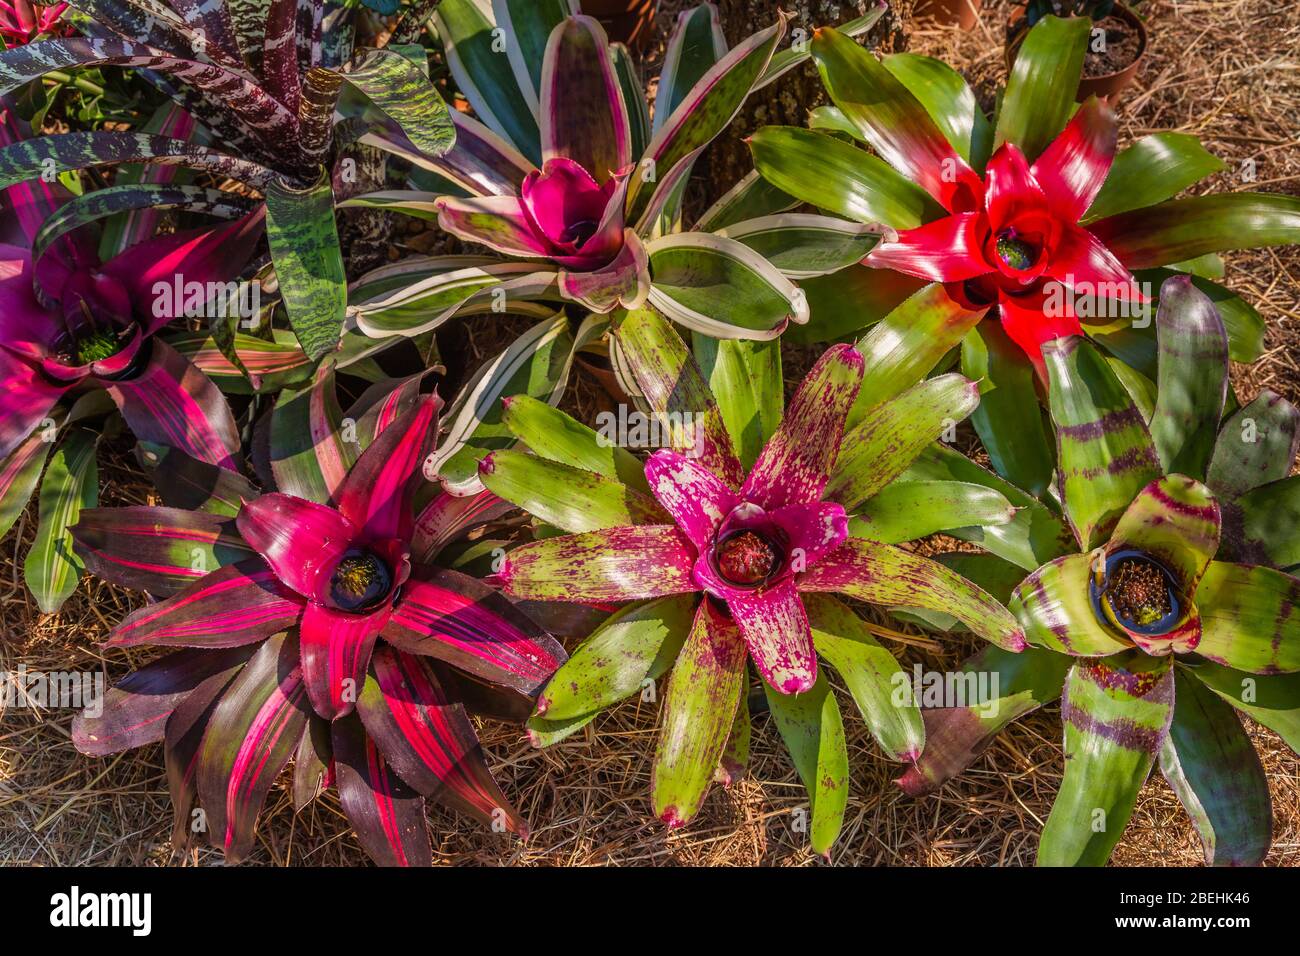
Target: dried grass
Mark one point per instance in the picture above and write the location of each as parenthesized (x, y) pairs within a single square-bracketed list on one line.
[(1227, 71)]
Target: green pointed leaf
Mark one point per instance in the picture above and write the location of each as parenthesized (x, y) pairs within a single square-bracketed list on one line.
[(638, 642), (1256, 445), (556, 435), (567, 497), (1243, 322), (907, 344), (633, 88), (528, 25), (908, 510), (879, 685), (1105, 452), (721, 287), (839, 177), (1212, 766), (1008, 419), (745, 378), (1193, 382), (804, 246), (813, 731), (735, 756), (537, 363), (698, 712), (485, 76), (956, 736), (19, 474), (1040, 92), (71, 483), (1182, 229), (1034, 536), (1116, 713), (950, 102), (695, 46), (308, 262), (1263, 525), (1155, 168), (1273, 701), (1248, 618), (881, 446)]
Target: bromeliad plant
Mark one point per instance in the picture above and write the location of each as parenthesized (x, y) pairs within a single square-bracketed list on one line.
[(727, 547), (1172, 614), (316, 627), (564, 176), (1036, 223), (74, 328), (23, 21), (265, 80)]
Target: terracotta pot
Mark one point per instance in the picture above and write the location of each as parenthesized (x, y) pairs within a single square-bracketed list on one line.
[(964, 13), (596, 364), (1109, 85), (626, 21)]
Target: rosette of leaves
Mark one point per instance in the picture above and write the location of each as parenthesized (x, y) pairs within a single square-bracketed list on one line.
[(83, 334), (318, 624), (1035, 224), (1173, 608), (562, 174), (266, 81), (730, 546)]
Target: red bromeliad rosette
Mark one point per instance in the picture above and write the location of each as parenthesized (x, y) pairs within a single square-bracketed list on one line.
[(325, 634), (716, 564), (1008, 235)]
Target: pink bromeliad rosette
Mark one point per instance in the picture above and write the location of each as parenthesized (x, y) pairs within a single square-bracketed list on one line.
[(325, 635), (712, 564)]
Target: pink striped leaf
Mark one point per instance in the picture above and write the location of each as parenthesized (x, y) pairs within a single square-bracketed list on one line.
[(387, 815), (251, 735), (309, 453), (135, 711), (301, 541), (159, 550), (336, 648), (427, 738), (448, 615), (237, 604)]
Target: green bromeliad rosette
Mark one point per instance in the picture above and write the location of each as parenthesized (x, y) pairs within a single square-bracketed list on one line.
[(729, 545), (1174, 610)]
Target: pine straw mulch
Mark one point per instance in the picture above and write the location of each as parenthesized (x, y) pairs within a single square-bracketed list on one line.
[(1227, 70)]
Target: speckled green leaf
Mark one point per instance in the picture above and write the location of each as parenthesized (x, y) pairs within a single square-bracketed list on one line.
[(1176, 520), (19, 474), (813, 731), (698, 711), (890, 436), (1244, 324), (1256, 445), (908, 510), (878, 683), (1263, 525), (1116, 714), (1104, 450), (556, 435), (567, 497), (403, 93)]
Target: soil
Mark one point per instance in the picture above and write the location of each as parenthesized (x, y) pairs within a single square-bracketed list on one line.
[(1120, 48)]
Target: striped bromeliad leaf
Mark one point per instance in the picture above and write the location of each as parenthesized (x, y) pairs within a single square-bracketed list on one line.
[(763, 540), (557, 168), (312, 628), (275, 119), (1038, 224), (1172, 615)]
